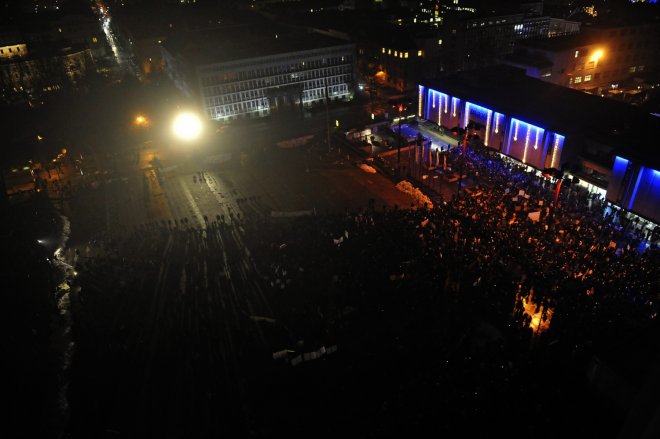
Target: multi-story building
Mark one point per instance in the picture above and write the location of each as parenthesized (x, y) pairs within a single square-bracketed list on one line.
[(246, 72), (473, 41), (596, 60), (26, 74), (608, 145)]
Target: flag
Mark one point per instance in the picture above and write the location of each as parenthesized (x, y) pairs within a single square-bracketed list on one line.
[(557, 192), (534, 216)]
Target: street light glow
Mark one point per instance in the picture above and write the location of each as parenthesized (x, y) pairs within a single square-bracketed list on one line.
[(598, 54), (141, 120), (187, 126)]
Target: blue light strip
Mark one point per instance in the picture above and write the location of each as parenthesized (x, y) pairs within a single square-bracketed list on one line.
[(454, 106), (634, 194), (497, 122), (526, 125), (442, 100), (557, 146), (483, 110)]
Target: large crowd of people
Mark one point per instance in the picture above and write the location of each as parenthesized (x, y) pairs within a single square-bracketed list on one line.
[(472, 316)]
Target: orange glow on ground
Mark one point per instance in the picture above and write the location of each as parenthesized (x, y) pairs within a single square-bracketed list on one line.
[(530, 310)]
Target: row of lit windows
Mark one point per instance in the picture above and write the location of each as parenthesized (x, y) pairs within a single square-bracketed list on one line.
[(252, 85), (225, 98), (215, 111), (402, 54), (612, 73), (10, 50), (279, 79), (254, 73)]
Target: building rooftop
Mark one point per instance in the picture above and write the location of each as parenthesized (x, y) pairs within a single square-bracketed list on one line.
[(557, 44), (629, 130), (529, 60), (243, 42)]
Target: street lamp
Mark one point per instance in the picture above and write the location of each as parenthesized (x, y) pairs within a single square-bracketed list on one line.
[(141, 121)]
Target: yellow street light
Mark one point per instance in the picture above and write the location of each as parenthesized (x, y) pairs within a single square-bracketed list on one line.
[(140, 120), (598, 54), (187, 126)]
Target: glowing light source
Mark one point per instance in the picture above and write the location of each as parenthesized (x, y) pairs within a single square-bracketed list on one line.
[(529, 128), (515, 134), (558, 143), (536, 140), (140, 120), (490, 113), (187, 126), (598, 54)]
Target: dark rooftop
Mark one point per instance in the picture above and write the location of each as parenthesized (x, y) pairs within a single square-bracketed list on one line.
[(557, 44), (528, 60), (244, 42), (631, 131)]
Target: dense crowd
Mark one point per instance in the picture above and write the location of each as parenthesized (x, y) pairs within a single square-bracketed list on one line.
[(467, 317)]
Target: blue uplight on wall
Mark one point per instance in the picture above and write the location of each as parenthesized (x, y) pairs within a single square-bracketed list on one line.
[(437, 100), (478, 109), (483, 113), (620, 165), (557, 146), (497, 122), (636, 187), (420, 100)]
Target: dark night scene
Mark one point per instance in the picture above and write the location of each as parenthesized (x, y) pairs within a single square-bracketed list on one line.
[(330, 218)]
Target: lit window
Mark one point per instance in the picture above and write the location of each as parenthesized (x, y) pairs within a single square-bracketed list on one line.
[(587, 78), (640, 68), (420, 52), (389, 51), (632, 69), (95, 40), (405, 55), (577, 53), (383, 50), (439, 42), (396, 53), (577, 80)]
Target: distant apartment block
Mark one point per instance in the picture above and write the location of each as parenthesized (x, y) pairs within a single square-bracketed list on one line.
[(597, 60), (26, 74)]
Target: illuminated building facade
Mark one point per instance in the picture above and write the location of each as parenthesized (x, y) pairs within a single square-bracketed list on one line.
[(28, 74), (276, 73), (598, 59), (477, 41), (607, 145), (635, 187)]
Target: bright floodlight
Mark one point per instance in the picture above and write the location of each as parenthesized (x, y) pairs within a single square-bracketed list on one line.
[(598, 54), (187, 126)]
